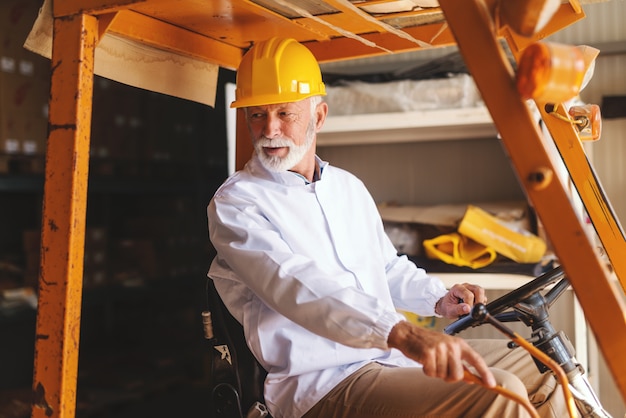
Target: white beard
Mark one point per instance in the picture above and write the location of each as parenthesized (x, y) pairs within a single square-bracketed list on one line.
[(278, 164)]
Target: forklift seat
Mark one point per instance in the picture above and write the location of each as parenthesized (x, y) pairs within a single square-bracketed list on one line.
[(236, 377)]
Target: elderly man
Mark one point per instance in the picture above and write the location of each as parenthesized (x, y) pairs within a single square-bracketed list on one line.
[(304, 265)]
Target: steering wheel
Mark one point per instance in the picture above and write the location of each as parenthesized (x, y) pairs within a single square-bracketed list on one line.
[(525, 301)]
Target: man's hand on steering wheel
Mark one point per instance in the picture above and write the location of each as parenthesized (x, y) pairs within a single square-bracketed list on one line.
[(508, 301), (459, 300)]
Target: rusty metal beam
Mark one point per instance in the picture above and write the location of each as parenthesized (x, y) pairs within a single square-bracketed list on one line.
[(75, 7), (63, 220)]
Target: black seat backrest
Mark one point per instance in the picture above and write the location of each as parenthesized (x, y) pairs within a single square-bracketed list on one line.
[(236, 379)]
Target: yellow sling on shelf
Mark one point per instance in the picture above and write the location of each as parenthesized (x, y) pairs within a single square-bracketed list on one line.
[(519, 245), (460, 251)]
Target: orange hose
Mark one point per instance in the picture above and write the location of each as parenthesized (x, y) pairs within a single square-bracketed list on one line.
[(541, 356), (555, 367), (472, 378)]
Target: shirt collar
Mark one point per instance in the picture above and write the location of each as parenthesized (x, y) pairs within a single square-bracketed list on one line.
[(317, 174), (286, 177)]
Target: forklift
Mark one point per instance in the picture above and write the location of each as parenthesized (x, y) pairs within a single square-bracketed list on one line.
[(217, 33)]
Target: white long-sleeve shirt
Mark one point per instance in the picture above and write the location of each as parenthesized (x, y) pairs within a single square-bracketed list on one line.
[(310, 273)]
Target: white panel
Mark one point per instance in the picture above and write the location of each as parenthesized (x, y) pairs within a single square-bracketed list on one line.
[(231, 126), (609, 78), (604, 22), (609, 155), (425, 173)]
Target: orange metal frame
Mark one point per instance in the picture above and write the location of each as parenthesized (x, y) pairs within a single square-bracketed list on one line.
[(78, 25), (588, 274), (63, 222)]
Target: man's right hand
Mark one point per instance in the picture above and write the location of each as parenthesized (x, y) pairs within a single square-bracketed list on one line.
[(443, 356)]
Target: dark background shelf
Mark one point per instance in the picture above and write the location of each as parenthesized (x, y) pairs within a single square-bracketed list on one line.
[(147, 251)]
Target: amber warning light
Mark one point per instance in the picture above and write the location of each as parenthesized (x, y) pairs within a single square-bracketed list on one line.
[(550, 73)]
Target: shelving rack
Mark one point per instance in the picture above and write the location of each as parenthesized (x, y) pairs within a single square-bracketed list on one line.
[(423, 125), (219, 33)]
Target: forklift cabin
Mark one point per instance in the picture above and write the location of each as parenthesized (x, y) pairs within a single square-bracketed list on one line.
[(218, 33)]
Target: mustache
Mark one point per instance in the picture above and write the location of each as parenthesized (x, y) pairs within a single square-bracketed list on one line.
[(273, 142)]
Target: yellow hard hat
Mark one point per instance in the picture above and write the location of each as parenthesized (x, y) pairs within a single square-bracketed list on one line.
[(277, 71)]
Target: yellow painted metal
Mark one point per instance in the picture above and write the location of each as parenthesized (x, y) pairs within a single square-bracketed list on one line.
[(602, 303), (160, 34), (63, 221), (222, 30), (567, 14), (583, 176), (343, 48), (575, 4)]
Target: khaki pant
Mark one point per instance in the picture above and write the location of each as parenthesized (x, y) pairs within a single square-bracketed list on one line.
[(380, 391)]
